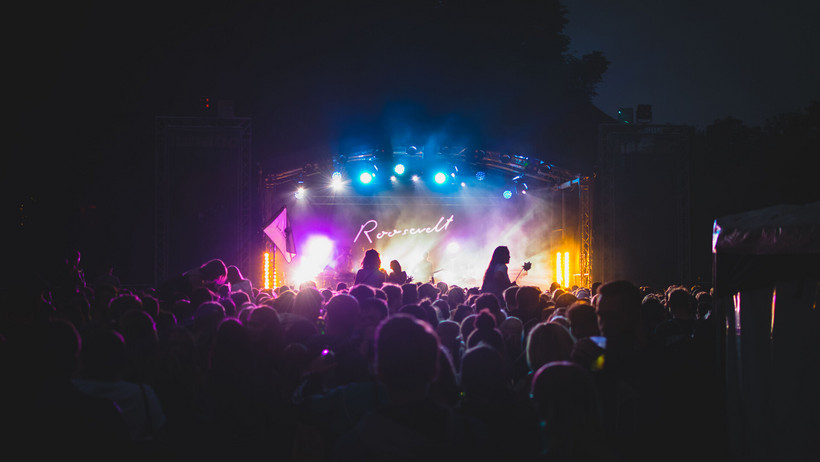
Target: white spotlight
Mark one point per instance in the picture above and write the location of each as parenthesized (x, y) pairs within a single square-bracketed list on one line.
[(336, 181)]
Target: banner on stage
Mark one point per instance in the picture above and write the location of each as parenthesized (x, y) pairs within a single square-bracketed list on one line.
[(280, 232)]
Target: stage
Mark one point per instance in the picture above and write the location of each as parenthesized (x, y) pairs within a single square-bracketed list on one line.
[(441, 231)]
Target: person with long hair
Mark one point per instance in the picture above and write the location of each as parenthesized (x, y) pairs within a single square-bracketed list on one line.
[(396, 276), (496, 277), (371, 272)]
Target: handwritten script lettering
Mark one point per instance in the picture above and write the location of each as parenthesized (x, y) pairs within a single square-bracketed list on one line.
[(370, 226)]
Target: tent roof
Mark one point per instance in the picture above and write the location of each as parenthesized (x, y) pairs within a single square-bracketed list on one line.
[(778, 230)]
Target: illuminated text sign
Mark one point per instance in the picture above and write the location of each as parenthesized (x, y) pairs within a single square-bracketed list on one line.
[(370, 227)]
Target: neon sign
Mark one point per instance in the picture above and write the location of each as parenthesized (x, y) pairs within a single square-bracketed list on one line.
[(370, 226)]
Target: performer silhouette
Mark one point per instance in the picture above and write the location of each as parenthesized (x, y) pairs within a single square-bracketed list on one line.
[(496, 277)]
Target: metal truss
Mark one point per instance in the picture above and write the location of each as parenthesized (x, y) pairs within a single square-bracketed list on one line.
[(585, 258), (530, 168)]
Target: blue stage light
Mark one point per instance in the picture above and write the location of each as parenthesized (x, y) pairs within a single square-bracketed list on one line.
[(440, 178), (480, 175), (366, 177), (399, 169), (507, 194)]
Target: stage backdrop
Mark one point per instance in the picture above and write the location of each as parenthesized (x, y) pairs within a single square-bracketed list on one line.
[(457, 233)]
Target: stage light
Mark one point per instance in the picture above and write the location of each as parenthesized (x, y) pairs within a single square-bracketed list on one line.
[(366, 177), (463, 184), (507, 194), (440, 178), (399, 169), (559, 275), (266, 269), (300, 192), (566, 269), (411, 151), (319, 247), (336, 181), (316, 254), (415, 178), (393, 179), (480, 175)]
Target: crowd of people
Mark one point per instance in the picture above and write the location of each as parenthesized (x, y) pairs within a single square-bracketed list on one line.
[(206, 366)]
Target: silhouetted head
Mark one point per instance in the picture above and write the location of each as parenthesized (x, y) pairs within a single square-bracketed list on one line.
[(240, 298), (362, 292), (407, 353), (428, 291), (566, 398), (374, 310), (393, 293), (681, 304), (395, 266), (653, 312), (448, 332), (513, 331), (214, 271), (619, 309), (72, 257), (482, 373), (409, 293), (546, 343), (509, 297), (234, 275), (565, 300), (461, 312), (371, 260), (456, 296), (582, 320), (343, 315), (442, 307), (488, 301), (308, 304), (501, 255), (232, 344), (486, 332)]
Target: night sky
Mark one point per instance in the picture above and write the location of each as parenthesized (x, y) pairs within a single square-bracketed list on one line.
[(88, 78), (698, 61)]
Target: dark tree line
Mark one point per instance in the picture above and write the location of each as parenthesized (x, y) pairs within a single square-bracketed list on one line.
[(737, 168)]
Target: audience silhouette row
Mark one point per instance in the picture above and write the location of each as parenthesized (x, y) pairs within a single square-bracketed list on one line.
[(206, 366)]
